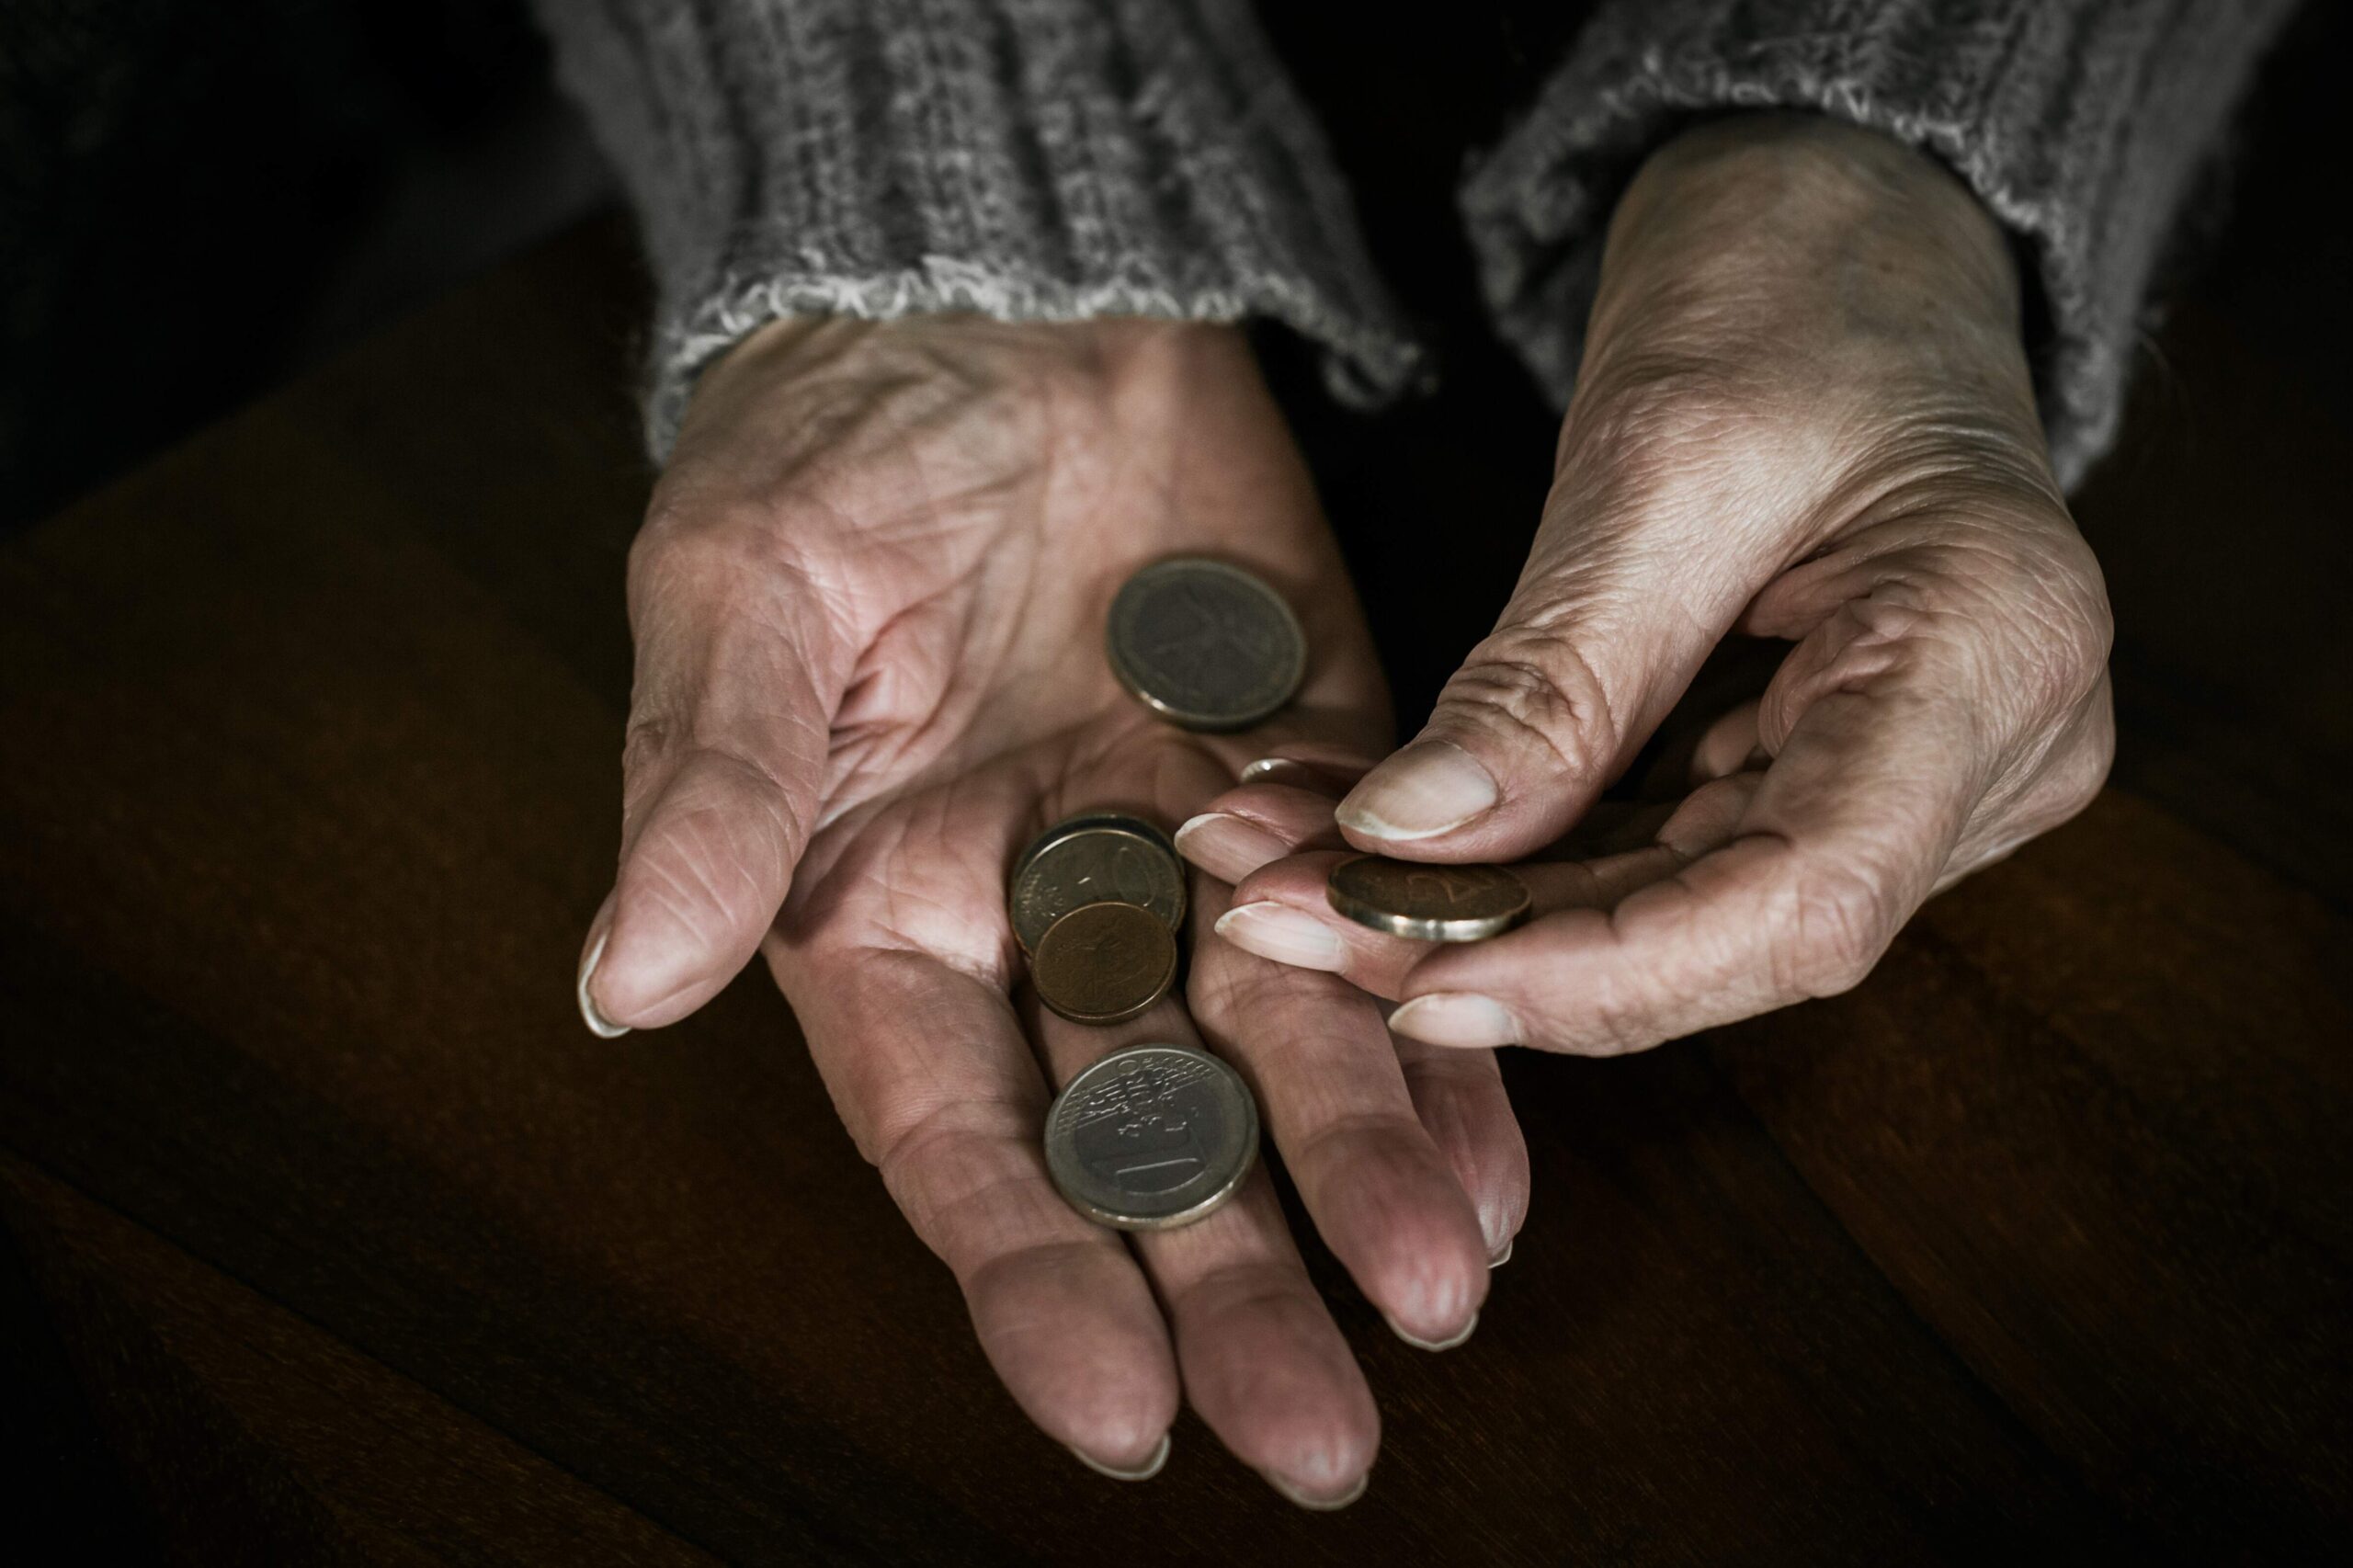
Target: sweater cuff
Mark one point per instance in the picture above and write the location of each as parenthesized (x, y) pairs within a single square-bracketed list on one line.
[(2080, 124), (1036, 160)]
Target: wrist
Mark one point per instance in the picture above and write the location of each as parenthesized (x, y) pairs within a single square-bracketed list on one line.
[(1815, 267), (1807, 176)]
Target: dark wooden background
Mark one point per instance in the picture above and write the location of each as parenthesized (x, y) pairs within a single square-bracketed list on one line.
[(332, 1235)]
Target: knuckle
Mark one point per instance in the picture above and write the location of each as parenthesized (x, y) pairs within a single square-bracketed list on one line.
[(2072, 772), (2070, 627), (2084, 766), (1534, 681), (2087, 636), (1839, 922), (1616, 1026), (647, 743), (2097, 755)]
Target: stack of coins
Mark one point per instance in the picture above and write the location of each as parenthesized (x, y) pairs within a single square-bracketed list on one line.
[(1097, 903), (1154, 1136)]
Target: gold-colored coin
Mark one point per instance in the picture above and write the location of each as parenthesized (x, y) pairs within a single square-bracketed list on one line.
[(1100, 858), (1427, 902), (1103, 962)]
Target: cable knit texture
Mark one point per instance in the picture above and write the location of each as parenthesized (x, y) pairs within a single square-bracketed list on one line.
[(2080, 124), (1029, 159)]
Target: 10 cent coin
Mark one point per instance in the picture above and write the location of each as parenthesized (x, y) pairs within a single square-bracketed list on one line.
[(1151, 1137), (1204, 644), (1427, 902), (1103, 962), (1103, 857)]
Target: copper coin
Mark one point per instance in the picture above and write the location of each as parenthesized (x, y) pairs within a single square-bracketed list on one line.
[(1427, 902), (1103, 962)]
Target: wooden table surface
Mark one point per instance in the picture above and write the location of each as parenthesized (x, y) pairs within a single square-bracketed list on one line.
[(353, 1244)]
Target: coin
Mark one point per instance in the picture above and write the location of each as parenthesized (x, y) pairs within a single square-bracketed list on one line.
[(1151, 1137), (1427, 902), (1103, 962), (1205, 646), (1103, 858)]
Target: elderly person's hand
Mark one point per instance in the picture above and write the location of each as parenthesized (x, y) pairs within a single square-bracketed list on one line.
[(869, 603), (1804, 412)]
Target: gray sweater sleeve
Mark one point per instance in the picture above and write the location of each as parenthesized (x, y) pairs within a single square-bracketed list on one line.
[(1029, 159), (2080, 124)]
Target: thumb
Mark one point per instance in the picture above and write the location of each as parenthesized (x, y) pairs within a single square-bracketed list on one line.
[(736, 687), (1644, 560)]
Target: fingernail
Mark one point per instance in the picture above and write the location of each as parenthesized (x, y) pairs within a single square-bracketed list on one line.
[(1226, 846), (1448, 1343), (597, 1023), (1429, 787), (1279, 932), (1504, 1257), (1276, 767), (1319, 1504), (1146, 1471), (1457, 1017)]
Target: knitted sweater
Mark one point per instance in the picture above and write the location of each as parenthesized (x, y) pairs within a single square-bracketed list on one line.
[(1060, 159)]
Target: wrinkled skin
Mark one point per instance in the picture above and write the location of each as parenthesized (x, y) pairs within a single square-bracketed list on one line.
[(1803, 412), (868, 602)]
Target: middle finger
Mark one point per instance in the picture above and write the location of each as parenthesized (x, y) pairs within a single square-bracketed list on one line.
[(1263, 1363)]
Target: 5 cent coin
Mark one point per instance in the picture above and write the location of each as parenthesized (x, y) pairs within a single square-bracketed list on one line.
[(1103, 962)]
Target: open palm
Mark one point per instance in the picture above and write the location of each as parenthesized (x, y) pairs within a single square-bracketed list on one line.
[(868, 603)]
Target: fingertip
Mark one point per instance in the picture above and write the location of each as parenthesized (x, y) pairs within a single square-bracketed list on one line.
[(1284, 934), (1281, 769), (700, 885), (1320, 1504), (1310, 765), (1502, 1210), (645, 976), (1728, 745), (1460, 1100), (1463, 1019), (1429, 789), (1433, 1300), (1227, 846), (1326, 1470), (1075, 1334), (1448, 1343), (1119, 1427), (590, 1013), (1296, 880), (1143, 1470)]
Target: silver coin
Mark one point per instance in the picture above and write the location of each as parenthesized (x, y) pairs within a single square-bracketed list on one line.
[(1205, 646), (1151, 1137), (1101, 858)]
